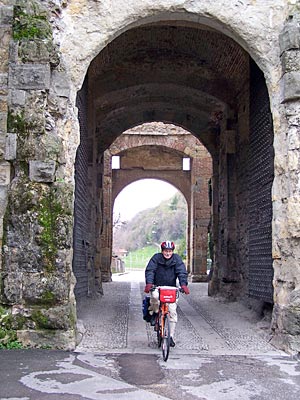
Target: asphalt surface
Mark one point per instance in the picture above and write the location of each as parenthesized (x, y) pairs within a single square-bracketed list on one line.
[(222, 352)]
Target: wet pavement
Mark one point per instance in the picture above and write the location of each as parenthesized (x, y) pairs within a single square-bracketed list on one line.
[(222, 352)]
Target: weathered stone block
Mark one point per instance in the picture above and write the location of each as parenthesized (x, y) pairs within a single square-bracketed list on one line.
[(290, 85), (64, 340), (290, 61), (290, 36), (60, 84), (4, 173), (294, 138), (59, 317), (42, 171), (45, 290), (5, 36), (3, 79), (13, 52), (64, 194), (12, 287), (3, 104), (35, 51), (3, 122), (294, 160), (48, 146), (291, 320), (2, 146), (18, 97), (11, 146), (29, 76), (3, 200), (6, 14), (293, 204)]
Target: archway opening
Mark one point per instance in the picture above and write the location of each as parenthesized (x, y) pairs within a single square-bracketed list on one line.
[(203, 81), (146, 213)]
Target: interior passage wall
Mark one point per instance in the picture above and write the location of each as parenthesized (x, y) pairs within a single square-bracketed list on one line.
[(261, 175), (83, 259)]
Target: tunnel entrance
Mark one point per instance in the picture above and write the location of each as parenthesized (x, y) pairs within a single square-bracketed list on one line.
[(195, 78)]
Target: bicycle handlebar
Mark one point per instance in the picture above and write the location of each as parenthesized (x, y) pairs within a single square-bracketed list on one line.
[(179, 289)]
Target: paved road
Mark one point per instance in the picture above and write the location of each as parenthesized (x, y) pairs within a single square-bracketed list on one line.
[(222, 352)]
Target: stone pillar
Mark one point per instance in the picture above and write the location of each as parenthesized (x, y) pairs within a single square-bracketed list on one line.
[(40, 142), (225, 276), (106, 231), (213, 286), (200, 218), (286, 198)]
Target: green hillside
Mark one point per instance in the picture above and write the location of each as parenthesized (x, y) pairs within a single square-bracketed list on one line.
[(138, 259), (149, 228)]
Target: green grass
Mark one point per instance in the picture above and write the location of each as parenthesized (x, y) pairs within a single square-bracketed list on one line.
[(138, 259), (11, 345)]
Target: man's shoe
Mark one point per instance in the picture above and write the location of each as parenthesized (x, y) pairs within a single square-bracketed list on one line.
[(172, 343)]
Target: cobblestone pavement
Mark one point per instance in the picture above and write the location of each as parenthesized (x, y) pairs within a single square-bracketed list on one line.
[(222, 353), (205, 325)]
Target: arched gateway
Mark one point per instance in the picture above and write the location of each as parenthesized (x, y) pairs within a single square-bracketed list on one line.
[(229, 75)]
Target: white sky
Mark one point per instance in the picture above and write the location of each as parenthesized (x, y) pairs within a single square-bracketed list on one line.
[(140, 195)]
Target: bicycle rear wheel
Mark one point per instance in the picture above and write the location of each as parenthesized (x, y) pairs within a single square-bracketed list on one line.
[(165, 345)]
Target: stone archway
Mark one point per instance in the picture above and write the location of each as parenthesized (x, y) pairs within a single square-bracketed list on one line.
[(156, 151), (191, 68)]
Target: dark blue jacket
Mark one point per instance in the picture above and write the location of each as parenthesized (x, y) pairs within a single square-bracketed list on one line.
[(163, 272)]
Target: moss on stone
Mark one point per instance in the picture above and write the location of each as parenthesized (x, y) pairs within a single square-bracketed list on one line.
[(40, 320), (6, 218), (20, 125), (8, 326), (48, 298), (20, 322), (13, 322), (24, 197), (24, 167), (7, 321), (30, 21), (41, 207), (49, 211), (2, 311), (17, 123)]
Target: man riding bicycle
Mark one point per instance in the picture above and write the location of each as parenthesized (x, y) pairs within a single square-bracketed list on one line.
[(163, 269)]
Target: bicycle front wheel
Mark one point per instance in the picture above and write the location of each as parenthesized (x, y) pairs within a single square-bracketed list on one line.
[(159, 331), (165, 345)]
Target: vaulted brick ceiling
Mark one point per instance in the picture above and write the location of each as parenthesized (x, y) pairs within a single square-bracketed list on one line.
[(170, 73)]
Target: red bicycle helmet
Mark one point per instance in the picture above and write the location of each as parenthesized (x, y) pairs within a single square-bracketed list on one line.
[(167, 245)]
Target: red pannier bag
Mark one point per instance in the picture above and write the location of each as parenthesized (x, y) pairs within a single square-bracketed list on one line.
[(167, 294)]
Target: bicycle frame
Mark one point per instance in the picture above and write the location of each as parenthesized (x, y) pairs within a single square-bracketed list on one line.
[(163, 326), (163, 310)]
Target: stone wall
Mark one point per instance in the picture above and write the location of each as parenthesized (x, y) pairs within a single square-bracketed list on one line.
[(286, 195), (37, 284)]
